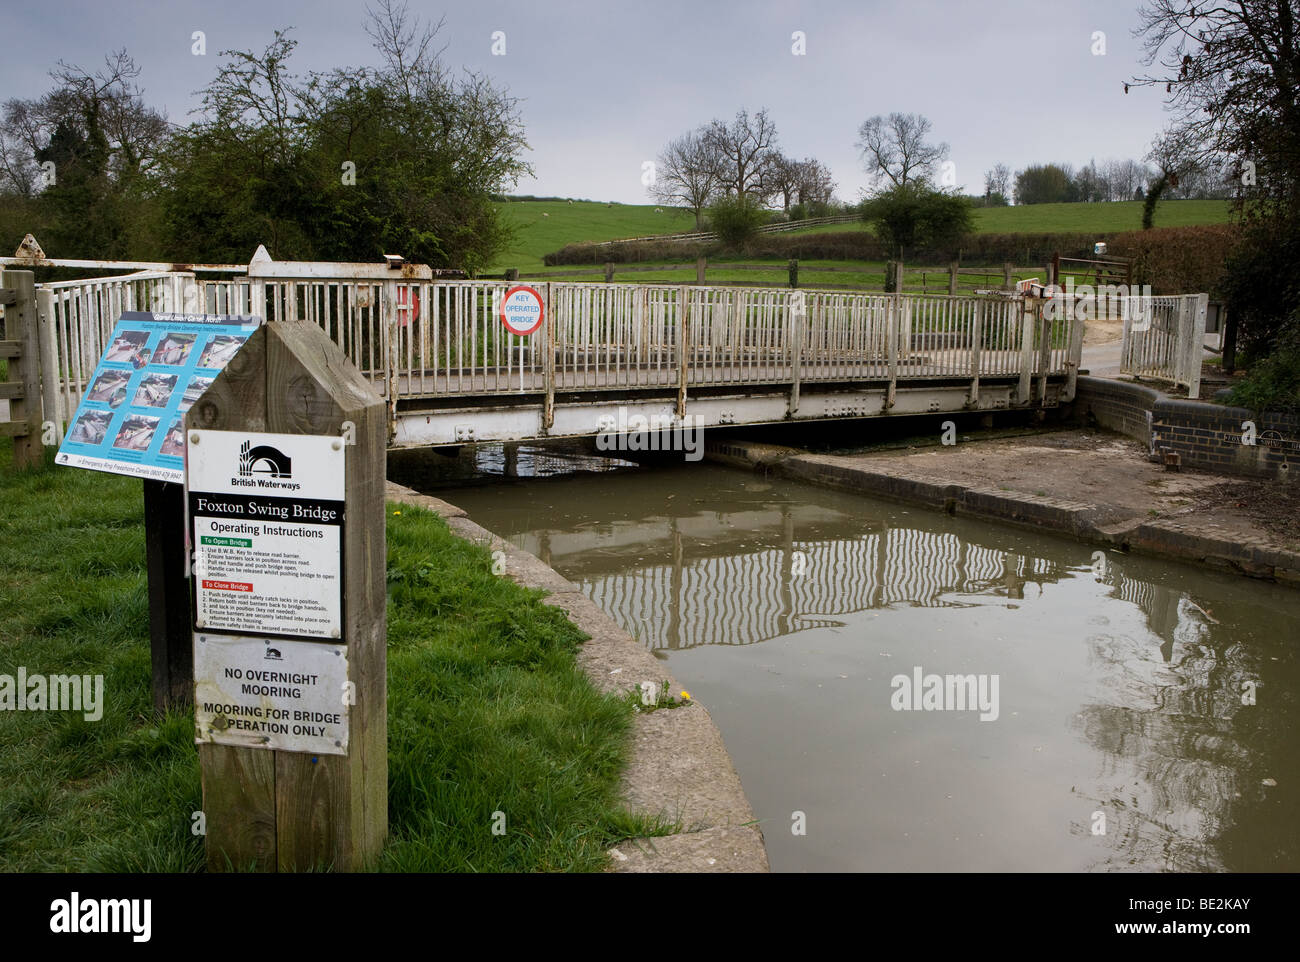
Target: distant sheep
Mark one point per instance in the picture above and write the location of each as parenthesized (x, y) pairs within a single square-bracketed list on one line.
[(546, 215), (659, 210), (570, 202)]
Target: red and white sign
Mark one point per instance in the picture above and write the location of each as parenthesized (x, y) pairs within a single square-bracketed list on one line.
[(521, 310)]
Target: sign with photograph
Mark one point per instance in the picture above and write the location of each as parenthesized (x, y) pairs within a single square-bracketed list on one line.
[(155, 367)]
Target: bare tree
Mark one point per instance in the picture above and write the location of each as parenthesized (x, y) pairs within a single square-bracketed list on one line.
[(816, 185), (686, 173), (746, 150), (784, 179), (894, 148), (1231, 73), (997, 180)]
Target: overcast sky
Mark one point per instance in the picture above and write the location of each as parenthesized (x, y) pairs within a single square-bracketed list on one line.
[(604, 85)]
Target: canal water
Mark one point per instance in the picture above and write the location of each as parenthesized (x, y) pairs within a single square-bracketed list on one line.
[(902, 690)]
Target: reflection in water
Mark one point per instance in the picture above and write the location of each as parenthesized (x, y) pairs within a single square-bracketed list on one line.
[(1157, 696)]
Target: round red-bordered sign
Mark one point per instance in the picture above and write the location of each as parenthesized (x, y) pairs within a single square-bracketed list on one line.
[(521, 310)]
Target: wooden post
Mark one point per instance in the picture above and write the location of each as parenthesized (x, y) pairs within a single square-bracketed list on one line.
[(1006, 276), (270, 809), (701, 265), (794, 272), (952, 279), (171, 647), (512, 274), (609, 272), (22, 348), (1228, 320)]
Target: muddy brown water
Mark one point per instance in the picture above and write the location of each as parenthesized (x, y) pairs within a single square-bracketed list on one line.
[(1146, 712)]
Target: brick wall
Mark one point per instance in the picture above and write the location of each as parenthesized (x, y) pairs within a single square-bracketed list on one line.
[(1207, 436)]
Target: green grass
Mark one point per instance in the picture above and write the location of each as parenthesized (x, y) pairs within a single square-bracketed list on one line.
[(580, 221), (488, 710), (584, 221), (871, 277), (1097, 218)]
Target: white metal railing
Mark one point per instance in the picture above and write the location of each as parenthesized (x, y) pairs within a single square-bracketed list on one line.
[(415, 337), (1164, 339)]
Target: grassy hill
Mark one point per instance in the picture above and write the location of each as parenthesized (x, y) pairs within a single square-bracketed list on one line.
[(581, 220), (568, 223)]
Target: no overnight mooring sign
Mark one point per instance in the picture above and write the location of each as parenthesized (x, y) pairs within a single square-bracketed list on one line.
[(521, 310), (266, 532)]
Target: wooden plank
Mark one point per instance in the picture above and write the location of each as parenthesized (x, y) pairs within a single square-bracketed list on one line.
[(239, 807), (171, 644), (8, 295), (11, 389), (14, 429), (11, 349), (25, 406)]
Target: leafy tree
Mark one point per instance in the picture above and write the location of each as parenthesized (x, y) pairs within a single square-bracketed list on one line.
[(736, 219), (1043, 184), (351, 163), (913, 215), (83, 158)]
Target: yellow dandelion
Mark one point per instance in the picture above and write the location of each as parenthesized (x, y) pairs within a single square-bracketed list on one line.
[(686, 696), (397, 512)]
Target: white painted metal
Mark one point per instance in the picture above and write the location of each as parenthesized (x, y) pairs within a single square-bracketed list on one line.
[(426, 342), (1163, 338)]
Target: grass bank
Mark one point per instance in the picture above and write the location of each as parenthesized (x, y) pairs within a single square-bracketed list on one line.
[(586, 221), (488, 710)]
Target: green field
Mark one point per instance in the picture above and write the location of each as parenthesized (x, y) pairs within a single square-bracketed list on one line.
[(571, 223)]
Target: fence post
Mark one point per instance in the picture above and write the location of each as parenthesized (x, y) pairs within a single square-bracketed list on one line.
[(701, 264), (794, 272), (976, 345), (512, 274), (22, 348), (952, 279), (51, 395), (609, 272), (1006, 275), (289, 805)]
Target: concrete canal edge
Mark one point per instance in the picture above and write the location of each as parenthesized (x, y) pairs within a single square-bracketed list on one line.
[(1180, 539), (679, 767)]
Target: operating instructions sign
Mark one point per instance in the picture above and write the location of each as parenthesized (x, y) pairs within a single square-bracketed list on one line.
[(266, 530)]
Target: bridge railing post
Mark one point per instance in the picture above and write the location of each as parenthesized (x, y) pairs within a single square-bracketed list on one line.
[(548, 361), (683, 345), (892, 346), (1026, 349)]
